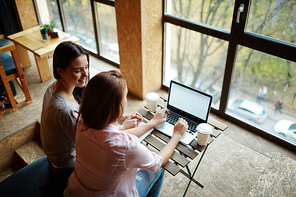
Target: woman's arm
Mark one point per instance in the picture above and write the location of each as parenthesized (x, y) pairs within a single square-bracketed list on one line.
[(158, 119), (180, 128), (142, 157)]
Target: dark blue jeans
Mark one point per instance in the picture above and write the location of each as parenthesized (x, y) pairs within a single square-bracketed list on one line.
[(58, 183), (34, 180)]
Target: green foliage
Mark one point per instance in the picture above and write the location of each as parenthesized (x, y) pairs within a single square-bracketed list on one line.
[(52, 24), (265, 68)]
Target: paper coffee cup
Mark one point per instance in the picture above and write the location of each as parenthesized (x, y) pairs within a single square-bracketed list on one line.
[(152, 99), (203, 132)]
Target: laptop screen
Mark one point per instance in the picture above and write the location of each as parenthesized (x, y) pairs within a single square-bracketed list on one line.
[(189, 102)]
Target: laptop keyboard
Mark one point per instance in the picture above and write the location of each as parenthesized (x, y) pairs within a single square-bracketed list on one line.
[(173, 118)]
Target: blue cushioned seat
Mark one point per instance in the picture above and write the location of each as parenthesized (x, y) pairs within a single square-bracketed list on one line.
[(9, 68), (3, 42)]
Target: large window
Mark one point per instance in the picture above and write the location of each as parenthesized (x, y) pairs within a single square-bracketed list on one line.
[(48, 10), (276, 19), (241, 53), (92, 21), (79, 22), (187, 63), (106, 24)]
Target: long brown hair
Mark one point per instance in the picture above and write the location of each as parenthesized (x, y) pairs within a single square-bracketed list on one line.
[(101, 101)]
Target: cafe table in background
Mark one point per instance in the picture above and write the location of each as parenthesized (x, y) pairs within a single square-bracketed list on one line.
[(31, 40)]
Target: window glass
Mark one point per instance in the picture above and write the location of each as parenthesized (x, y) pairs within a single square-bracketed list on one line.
[(276, 19), (195, 59), (292, 127), (48, 10), (217, 13), (266, 86), (79, 22), (107, 30)]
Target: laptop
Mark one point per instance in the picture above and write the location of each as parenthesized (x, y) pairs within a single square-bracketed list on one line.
[(188, 103)]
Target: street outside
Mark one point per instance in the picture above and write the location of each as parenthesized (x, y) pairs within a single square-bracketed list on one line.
[(268, 124), (272, 118)]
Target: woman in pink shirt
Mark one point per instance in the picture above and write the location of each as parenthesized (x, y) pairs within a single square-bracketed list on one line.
[(108, 159)]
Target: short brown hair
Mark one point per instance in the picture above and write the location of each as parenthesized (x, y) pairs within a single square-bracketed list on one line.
[(101, 101)]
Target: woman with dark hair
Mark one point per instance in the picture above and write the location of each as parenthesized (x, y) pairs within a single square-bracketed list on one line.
[(107, 158), (60, 107)]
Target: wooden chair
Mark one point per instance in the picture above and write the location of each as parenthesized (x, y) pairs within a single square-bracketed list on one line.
[(15, 72)]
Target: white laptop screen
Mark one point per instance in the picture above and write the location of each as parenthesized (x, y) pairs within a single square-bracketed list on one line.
[(190, 101)]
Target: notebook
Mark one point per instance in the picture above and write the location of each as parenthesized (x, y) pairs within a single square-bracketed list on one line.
[(186, 102)]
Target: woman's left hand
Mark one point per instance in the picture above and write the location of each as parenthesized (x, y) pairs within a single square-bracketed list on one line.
[(132, 121), (159, 117)]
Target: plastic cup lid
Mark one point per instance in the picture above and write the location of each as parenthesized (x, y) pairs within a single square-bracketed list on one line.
[(204, 128), (152, 96)]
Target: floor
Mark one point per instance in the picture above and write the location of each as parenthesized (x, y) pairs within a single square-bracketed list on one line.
[(238, 163)]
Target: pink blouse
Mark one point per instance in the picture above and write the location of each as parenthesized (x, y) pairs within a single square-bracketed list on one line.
[(107, 162)]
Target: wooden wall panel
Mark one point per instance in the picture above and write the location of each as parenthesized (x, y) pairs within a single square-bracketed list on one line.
[(128, 17), (152, 44), (139, 30), (26, 14)]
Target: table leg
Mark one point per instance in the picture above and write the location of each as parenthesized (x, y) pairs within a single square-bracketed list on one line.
[(195, 171), (43, 68), (23, 55), (191, 178)]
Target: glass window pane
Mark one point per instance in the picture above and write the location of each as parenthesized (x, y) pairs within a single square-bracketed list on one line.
[(276, 19), (215, 13), (79, 22), (258, 84), (48, 10), (107, 29), (195, 59)]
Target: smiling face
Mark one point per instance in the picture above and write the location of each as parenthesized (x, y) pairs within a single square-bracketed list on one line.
[(76, 72)]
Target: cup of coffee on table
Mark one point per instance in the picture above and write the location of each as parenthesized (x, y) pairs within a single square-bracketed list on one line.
[(152, 100), (203, 132)]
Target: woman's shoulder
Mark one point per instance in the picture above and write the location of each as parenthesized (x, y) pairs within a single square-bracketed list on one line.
[(58, 102), (50, 96), (111, 137), (50, 88), (58, 108), (52, 101)]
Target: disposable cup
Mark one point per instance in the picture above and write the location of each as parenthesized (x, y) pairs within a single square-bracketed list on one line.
[(203, 132), (152, 100)]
